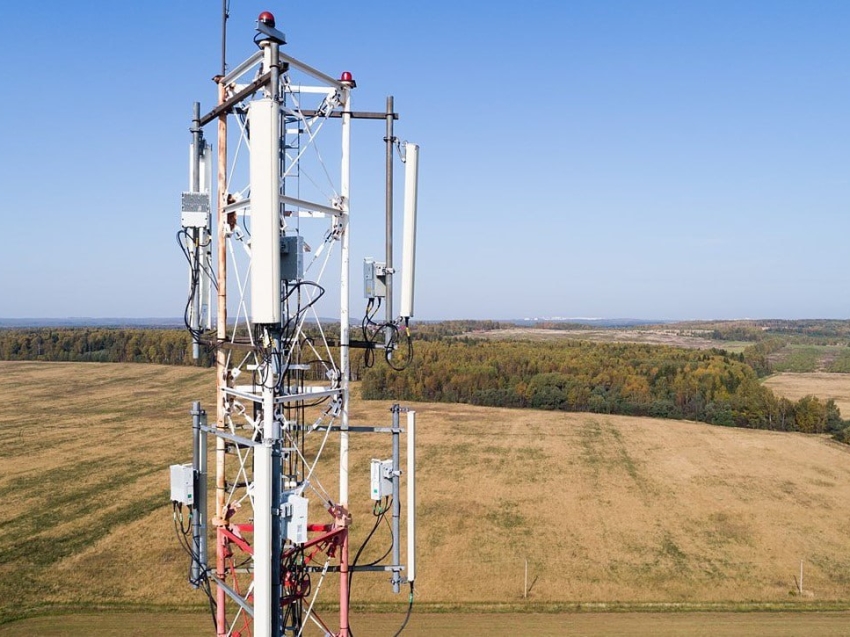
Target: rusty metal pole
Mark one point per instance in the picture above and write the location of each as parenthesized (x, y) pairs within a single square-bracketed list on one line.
[(221, 366)]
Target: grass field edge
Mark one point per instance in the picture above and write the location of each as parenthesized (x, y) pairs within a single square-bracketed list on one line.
[(802, 606)]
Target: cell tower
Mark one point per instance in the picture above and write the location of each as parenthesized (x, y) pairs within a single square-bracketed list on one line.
[(282, 375)]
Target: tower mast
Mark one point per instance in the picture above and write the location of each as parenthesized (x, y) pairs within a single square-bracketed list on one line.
[(282, 376)]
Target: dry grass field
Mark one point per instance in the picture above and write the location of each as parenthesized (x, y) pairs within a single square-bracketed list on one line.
[(824, 385), (605, 508)]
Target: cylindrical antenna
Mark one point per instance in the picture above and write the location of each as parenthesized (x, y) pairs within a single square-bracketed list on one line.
[(411, 496), (411, 181)]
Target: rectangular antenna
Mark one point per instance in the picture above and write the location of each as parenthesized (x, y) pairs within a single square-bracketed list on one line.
[(408, 257), (264, 118), (205, 318)]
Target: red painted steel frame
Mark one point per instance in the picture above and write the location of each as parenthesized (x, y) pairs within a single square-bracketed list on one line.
[(328, 542)]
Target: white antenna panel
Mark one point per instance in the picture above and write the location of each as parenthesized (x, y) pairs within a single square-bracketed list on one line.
[(264, 117), (408, 257), (206, 168), (205, 284), (411, 496)]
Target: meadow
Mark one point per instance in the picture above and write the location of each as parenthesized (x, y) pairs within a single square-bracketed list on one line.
[(630, 512), (821, 384)]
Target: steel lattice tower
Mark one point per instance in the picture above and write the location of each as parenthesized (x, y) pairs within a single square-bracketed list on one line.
[(282, 376)]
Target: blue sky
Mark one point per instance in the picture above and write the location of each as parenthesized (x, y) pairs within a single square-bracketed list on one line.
[(668, 160)]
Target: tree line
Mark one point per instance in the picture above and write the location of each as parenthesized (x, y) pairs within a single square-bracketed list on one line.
[(710, 386), (800, 330), (100, 345), (163, 346)]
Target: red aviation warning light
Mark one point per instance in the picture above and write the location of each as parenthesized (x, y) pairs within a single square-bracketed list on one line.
[(347, 79), (266, 18)]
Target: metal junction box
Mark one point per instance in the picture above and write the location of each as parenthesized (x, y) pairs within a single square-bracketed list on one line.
[(183, 484), (195, 210), (374, 279), (292, 257), (382, 479), (295, 520)]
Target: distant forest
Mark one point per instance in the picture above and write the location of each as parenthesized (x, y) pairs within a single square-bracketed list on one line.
[(451, 364), (101, 345), (614, 378)]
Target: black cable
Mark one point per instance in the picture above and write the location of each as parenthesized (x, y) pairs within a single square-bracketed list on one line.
[(291, 325), (192, 283), (189, 524), (389, 549), (185, 251), (379, 514), (198, 335), (295, 574), (409, 609), (388, 353), (183, 540), (370, 336), (378, 519), (371, 330), (289, 329)]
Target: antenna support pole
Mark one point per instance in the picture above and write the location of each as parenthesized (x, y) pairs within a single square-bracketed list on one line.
[(396, 513), (390, 140)]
